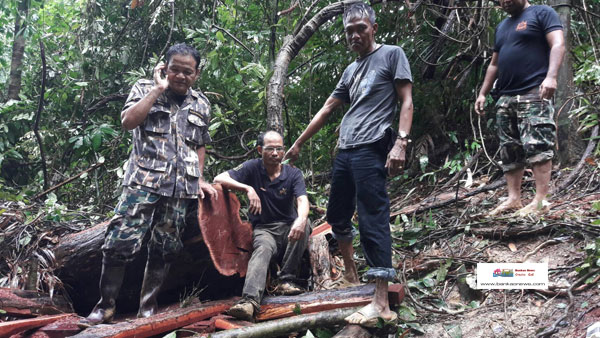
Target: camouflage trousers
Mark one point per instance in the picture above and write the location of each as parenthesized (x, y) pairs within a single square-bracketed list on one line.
[(526, 130), (137, 212)]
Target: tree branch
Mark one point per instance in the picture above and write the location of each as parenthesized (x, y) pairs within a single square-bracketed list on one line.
[(234, 38), (38, 114)]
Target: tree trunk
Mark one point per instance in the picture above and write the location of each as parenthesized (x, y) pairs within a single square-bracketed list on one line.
[(570, 144), (16, 62), (17, 302), (291, 47)]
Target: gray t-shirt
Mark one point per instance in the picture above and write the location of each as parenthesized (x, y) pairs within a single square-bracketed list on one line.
[(368, 85)]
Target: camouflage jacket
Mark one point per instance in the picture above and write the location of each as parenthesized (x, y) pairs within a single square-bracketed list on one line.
[(164, 158)]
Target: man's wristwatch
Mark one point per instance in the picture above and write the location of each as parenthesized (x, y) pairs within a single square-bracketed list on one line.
[(402, 135)]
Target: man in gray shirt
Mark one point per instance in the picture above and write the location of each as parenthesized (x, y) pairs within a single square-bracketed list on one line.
[(373, 84)]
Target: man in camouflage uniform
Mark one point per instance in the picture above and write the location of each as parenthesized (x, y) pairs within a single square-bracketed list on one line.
[(169, 121), (528, 51)]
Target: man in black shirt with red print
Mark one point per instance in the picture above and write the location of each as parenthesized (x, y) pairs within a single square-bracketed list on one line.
[(528, 51), (279, 227)]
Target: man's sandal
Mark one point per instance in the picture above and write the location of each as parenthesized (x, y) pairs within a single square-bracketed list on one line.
[(371, 318)]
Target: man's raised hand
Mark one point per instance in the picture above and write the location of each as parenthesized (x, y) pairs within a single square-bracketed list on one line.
[(160, 79)]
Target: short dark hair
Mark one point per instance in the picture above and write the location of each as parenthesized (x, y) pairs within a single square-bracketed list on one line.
[(183, 49), (260, 140), (359, 10)]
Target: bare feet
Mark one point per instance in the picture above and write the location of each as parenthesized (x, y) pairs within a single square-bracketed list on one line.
[(534, 208), (368, 316), (506, 206)]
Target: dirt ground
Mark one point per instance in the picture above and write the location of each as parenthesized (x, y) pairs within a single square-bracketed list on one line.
[(515, 313)]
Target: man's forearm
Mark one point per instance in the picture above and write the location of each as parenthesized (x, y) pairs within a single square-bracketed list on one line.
[(488, 81), (303, 208), (406, 117), (557, 53), (318, 121), (225, 180), (136, 114)]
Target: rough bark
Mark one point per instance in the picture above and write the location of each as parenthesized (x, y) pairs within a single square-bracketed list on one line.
[(17, 302), (570, 144), (16, 61), (293, 324), (160, 323), (320, 261)]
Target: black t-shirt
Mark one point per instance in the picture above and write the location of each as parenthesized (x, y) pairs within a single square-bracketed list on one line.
[(277, 196), (523, 52)]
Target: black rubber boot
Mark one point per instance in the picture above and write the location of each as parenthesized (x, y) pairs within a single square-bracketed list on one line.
[(154, 276), (110, 284)]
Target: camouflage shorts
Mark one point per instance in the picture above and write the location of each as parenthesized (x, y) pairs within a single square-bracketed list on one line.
[(526, 130), (137, 212)]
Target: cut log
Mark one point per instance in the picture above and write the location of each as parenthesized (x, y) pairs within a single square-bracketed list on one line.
[(79, 261), (16, 326), (320, 262), (283, 326), (160, 323), (17, 302), (353, 331), (311, 302)]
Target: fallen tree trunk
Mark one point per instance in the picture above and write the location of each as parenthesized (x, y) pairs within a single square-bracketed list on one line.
[(17, 302), (287, 325), (8, 329), (310, 302), (160, 323), (79, 260)]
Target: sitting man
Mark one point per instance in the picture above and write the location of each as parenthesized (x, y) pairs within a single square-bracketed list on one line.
[(278, 227)]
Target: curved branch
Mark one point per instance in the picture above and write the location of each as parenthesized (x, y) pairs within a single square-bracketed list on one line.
[(291, 48)]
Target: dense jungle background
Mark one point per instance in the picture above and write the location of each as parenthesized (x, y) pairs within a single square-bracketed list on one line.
[(66, 67)]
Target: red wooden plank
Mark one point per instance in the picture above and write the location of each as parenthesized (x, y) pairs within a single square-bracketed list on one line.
[(13, 327)]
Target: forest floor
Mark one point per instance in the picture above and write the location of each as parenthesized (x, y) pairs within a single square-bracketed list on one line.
[(440, 234), (441, 301)]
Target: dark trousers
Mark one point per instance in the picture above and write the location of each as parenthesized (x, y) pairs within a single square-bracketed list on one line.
[(358, 181), (269, 241)]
